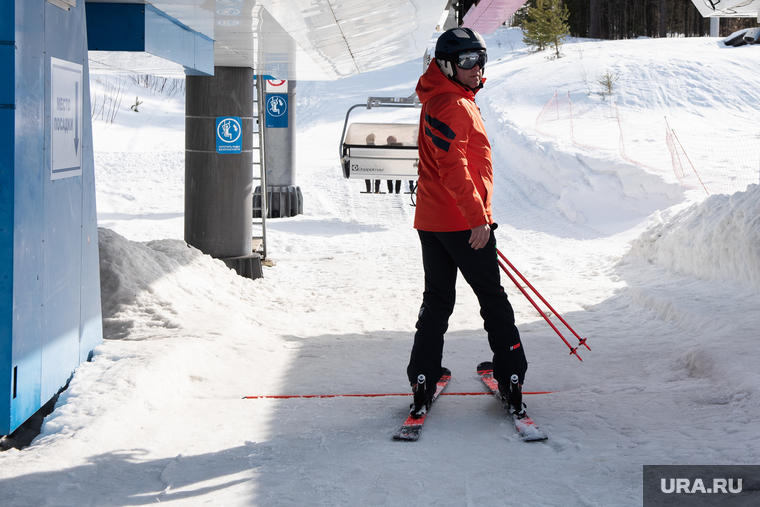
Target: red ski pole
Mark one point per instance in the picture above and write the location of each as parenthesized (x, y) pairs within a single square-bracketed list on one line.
[(581, 341), (546, 318), (525, 293)]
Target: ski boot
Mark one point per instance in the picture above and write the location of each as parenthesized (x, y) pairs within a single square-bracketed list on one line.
[(424, 393), (511, 396), (422, 398)]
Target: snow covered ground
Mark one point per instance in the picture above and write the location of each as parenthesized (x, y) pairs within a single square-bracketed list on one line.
[(662, 280)]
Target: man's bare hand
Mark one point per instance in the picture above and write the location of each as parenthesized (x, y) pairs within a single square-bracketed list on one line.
[(480, 236)]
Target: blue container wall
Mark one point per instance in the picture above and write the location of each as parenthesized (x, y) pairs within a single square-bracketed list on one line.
[(28, 223), (62, 215), (56, 319), (7, 128)]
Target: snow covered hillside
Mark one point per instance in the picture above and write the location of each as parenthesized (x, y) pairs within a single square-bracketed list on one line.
[(663, 281)]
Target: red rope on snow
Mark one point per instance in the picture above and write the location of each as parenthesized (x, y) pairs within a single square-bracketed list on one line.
[(375, 395)]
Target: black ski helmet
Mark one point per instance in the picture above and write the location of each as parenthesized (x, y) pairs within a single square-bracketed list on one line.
[(452, 42)]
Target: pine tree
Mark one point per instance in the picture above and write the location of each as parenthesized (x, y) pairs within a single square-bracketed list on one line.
[(546, 26)]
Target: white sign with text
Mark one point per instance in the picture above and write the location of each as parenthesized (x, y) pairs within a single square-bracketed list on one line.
[(65, 119)]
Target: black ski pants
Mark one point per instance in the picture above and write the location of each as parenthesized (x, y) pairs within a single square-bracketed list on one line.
[(442, 254)]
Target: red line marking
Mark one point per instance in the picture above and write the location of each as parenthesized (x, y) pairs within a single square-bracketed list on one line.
[(377, 395)]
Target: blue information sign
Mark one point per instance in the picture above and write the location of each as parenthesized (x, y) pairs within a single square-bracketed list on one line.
[(277, 110), (229, 134)]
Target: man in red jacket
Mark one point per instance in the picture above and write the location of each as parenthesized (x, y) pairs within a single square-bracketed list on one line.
[(453, 218)]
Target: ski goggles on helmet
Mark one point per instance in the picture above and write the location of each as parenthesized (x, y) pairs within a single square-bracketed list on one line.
[(468, 59)]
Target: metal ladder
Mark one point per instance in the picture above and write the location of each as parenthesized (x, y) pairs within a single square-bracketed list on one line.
[(260, 241)]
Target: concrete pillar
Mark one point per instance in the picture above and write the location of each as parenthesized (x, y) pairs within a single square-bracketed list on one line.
[(281, 146), (284, 196), (218, 187)]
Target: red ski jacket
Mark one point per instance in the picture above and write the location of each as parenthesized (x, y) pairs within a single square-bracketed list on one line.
[(455, 169)]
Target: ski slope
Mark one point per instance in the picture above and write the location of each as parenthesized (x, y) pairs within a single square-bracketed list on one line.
[(662, 280)]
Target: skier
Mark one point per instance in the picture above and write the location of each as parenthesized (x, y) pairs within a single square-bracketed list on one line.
[(453, 219)]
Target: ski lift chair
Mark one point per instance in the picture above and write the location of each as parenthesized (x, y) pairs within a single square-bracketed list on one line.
[(380, 151)]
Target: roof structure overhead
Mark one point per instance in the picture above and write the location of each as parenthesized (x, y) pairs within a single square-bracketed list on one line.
[(487, 15), (308, 39), (728, 8)]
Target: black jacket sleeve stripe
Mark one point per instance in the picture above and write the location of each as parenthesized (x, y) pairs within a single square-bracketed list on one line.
[(440, 127), (438, 141)]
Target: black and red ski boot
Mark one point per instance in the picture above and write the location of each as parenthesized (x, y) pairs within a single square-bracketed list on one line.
[(424, 393), (511, 396), (421, 399)]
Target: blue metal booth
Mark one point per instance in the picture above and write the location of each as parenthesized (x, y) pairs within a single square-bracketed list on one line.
[(50, 314), (50, 319)]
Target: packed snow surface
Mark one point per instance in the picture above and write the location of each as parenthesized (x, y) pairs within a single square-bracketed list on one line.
[(663, 281)]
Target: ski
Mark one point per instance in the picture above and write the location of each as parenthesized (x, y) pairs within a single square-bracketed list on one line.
[(410, 430), (526, 428)]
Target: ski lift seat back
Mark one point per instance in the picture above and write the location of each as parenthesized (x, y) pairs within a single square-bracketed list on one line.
[(381, 151)]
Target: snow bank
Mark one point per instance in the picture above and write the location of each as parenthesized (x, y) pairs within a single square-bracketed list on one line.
[(717, 239), (146, 287), (170, 312), (590, 189)]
